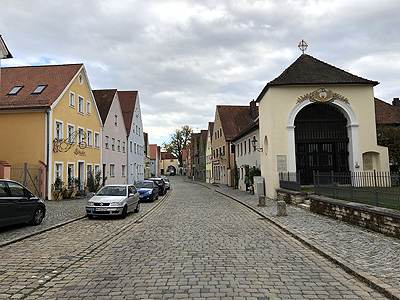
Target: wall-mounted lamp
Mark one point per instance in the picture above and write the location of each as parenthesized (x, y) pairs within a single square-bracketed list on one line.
[(254, 144)]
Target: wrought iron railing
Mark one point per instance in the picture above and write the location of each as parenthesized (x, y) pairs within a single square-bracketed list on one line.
[(372, 188), (290, 180)]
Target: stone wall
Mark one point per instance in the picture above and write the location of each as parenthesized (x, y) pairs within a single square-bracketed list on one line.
[(379, 219), (291, 197)]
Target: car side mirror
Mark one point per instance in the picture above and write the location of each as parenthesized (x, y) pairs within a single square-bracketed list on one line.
[(131, 194)]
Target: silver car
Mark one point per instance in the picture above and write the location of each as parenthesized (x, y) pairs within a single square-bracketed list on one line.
[(114, 200)]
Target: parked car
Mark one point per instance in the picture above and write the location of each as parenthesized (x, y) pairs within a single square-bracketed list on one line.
[(114, 200), (161, 185), (166, 180), (19, 205), (148, 190)]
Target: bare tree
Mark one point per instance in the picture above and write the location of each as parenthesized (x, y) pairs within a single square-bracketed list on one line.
[(179, 141)]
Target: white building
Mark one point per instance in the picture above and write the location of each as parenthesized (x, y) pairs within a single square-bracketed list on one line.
[(114, 137), (130, 105)]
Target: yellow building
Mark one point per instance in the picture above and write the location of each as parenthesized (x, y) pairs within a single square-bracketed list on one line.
[(50, 121), (209, 153), (168, 164)]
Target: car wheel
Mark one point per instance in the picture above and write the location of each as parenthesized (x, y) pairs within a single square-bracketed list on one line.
[(90, 216), (124, 212), (137, 209), (37, 216)]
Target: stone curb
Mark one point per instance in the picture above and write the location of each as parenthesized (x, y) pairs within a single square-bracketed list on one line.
[(375, 283)]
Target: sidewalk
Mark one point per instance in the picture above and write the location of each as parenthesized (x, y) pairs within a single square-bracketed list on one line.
[(372, 257)]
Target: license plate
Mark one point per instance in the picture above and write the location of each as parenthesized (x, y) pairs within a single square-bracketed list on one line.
[(99, 209)]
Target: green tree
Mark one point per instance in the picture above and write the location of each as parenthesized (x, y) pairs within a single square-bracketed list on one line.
[(178, 142), (389, 136)]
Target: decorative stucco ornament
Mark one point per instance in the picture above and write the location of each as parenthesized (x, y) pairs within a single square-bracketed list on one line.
[(322, 95)]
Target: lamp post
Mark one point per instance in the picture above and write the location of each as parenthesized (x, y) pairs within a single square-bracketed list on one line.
[(254, 144)]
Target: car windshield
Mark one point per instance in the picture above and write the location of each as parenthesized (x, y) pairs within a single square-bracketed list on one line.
[(112, 191), (146, 185)]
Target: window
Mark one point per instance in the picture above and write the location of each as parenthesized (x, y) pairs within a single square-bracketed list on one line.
[(15, 90), (89, 138), (58, 134), (80, 79), (71, 175), (71, 136), (88, 107), (241, 149), (123, 147), (96, 140), (249, 146), (58, 166), (134, 147), (16, 190), (96, 169), (130, 146), (123, 170), (116, 120), (113, 144), (133, 128), (81, 136), (237, 151), (71, 99), (39, 89), (89, 171), (80, 105), (245, 146), (119, 146), (112, 170), (106, 141), (223, 150), (131, 169)]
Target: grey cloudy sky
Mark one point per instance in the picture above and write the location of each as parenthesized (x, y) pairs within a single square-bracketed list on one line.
[(186, 57)]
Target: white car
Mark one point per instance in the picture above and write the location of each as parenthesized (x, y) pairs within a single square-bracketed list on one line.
[(114, 200), (167, 183)]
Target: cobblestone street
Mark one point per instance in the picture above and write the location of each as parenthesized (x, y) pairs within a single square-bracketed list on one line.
[(197, 244)]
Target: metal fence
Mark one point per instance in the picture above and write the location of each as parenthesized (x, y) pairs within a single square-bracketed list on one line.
[(373, 188), (290, 180)]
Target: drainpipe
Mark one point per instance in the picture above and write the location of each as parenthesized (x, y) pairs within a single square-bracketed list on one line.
[(48, 152)]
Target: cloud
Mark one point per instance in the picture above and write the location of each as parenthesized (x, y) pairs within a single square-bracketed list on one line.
[(185, 57)]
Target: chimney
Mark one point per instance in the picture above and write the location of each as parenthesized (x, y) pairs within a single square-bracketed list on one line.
[(253, 109), (396, 102)]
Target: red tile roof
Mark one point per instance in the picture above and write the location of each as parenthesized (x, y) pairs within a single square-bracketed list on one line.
[(57, 78), (234, 119), (153, 151), (386, 113), (204, 138), (127, 99), (104, 99), (167, 155)]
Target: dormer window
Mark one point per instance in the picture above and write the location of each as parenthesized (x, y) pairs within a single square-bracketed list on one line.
[(39, 89), (15, 90)]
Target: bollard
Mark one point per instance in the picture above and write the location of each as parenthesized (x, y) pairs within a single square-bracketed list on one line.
[(281, 209), (261, 200)]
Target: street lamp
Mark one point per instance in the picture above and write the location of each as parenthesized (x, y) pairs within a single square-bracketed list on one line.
[(254, 144)]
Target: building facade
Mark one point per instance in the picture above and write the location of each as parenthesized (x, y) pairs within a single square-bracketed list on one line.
[(114, 156), (315, 117), (131, 111), (51, 110), (209, 157)]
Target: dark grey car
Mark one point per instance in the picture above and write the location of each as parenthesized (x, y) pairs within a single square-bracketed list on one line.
[(19, 205)]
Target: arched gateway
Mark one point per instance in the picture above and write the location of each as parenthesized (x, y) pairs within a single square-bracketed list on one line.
[(321, 141), (316, 117)]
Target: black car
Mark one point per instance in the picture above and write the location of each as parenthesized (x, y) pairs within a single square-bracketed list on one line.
[(19, 205), (161, 185)]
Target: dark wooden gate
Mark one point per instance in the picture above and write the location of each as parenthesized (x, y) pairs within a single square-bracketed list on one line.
[(321, 141)]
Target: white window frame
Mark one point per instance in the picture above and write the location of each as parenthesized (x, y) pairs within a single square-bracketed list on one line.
[(107, 142), (89, 138), (118, 145), (58, 163), (73, 173), (88, 107), (131, 146), (81, 139), (113, 144), (89, 166), (123, 147), (81, 105), (116, 120), (72, 99), (96, 139), (61, 136), (70, 137), (112, 170), (96, 169), (123, 170)]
